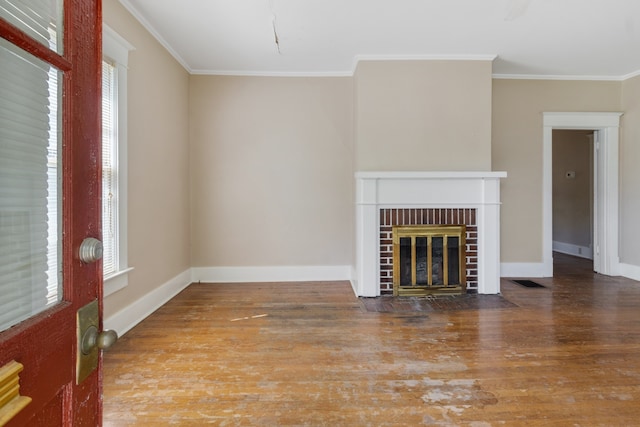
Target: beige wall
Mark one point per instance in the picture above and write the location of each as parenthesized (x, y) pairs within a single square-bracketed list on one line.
[(158, 199), (630, 173), (258, 171), (423, 115), (572, 202), (517, 148), (272, 172)]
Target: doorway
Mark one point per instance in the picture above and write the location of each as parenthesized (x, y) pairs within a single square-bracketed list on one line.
[(572, 172), (605, 211)]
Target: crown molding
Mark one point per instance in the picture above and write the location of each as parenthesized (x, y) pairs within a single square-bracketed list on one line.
[(565, 77), (346, 73), (631, 75), (421, 57), (245, 73)]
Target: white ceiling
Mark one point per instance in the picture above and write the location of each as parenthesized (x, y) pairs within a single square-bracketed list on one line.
[(597, 39)]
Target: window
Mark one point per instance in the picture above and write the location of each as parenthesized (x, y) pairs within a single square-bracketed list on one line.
[(114, 161), (110, 193)]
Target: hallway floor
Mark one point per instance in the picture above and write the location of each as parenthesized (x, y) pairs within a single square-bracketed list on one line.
[(308, 354)]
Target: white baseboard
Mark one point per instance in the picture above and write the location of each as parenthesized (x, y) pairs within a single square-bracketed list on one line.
[(630, 271), (571, 249), (270, 274), (353, 280), (522, 269), (137, 311)]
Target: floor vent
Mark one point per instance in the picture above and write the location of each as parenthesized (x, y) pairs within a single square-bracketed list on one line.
[(528, 283)]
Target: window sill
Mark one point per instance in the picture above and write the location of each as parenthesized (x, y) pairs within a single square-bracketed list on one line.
[(116, 281)]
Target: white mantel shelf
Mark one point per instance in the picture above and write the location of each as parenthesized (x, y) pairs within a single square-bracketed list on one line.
[(430, 175), (478, 190)]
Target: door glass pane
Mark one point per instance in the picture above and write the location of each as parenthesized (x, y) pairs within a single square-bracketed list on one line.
[(405, 261), (453, 248), (437, 261), (40, 19), (421, 261), (30, 268)]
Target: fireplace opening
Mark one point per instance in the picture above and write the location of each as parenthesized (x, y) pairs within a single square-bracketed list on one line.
[(429, 259), (434, 218)]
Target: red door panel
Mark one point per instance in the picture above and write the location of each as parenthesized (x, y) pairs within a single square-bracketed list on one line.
[(46, 344)]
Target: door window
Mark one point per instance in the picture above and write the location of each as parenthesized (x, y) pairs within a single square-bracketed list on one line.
[(30, 265), (39, 19)]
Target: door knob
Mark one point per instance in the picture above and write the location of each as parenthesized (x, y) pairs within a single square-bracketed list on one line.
[(90, 340), (90, 250), (93, 339)]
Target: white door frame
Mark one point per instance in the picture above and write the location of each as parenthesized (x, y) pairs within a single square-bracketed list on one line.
[(605, 245)]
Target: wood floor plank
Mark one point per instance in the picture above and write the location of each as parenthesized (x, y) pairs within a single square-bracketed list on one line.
[(309, 354)]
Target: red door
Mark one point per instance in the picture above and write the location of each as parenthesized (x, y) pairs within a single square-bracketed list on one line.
[(58, 55)]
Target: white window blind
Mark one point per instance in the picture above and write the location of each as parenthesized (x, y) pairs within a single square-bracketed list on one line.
[(114, 153), (110, 195), (54, 195), (36, 18), (29, 261)]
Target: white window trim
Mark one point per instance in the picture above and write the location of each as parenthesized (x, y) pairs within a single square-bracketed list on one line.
[(117, 49)]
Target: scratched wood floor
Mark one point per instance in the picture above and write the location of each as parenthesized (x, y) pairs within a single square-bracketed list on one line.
[(309, 354)]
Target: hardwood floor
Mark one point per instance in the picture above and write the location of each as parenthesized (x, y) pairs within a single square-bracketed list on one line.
[(309, 354)]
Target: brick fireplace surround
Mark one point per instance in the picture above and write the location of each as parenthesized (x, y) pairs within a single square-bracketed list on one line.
[(389, 198), (429, 216)]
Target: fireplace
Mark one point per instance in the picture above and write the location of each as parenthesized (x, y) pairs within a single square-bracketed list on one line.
[(430, 222), (428, 259), (388, 199)]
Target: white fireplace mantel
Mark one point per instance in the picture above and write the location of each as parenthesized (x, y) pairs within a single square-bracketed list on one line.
[(448, 189)]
